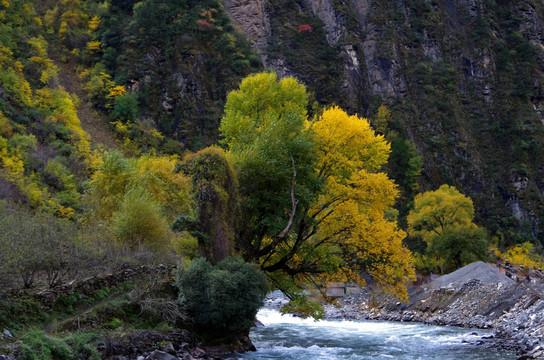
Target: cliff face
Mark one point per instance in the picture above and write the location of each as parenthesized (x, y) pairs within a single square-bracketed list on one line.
[(463, 80)]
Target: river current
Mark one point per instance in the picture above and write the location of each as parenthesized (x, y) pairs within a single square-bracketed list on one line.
[(287, 337)]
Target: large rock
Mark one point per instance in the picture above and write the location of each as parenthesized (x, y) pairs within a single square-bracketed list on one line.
[(161, 355)]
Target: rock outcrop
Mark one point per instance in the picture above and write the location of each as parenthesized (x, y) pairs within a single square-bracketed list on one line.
[(249, 16)]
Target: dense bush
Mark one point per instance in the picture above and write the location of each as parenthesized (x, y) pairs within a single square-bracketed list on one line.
[(38, 345), (221, 298)]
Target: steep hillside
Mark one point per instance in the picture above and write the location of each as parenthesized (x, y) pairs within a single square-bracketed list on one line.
[(462, 79), (178, 59)]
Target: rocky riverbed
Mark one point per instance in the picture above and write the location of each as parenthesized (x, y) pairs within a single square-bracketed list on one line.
[(476, 296)]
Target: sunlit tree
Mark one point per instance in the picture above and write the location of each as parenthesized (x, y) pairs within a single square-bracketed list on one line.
[(312, 191), (443, 219)]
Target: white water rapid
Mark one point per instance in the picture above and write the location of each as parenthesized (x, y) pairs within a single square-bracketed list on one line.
[(288, 337)]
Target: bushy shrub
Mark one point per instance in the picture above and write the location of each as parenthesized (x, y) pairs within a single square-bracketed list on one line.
[(139, 221), (221, 298), (38, 345)]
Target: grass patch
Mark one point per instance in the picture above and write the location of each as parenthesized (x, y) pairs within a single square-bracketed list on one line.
[(39, 346)]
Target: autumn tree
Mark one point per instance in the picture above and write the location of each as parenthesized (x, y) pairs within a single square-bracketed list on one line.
[(443, 219), (138, 198), (349, 215), (313, 196)]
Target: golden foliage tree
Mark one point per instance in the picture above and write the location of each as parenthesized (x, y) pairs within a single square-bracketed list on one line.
[(320, 182), (138, 198), (443, 219), (349, 214)]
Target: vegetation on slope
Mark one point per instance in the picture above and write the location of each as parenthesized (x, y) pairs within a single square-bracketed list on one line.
[(300, 190)]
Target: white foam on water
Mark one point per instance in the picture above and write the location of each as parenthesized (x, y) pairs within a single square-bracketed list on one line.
[(286, 336)]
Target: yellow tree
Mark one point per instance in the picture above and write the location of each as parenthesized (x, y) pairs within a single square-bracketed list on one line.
[(314, 189), (443, 219), (349, 214), (344, 232), (138, 198)]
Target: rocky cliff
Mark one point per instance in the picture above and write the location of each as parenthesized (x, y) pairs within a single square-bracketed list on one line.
[(463, 80)]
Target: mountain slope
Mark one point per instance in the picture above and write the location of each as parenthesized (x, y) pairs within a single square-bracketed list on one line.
[(462, 78)]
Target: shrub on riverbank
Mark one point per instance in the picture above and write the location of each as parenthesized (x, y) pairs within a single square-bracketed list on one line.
[(221, 298)]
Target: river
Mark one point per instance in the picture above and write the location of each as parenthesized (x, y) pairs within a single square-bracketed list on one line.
[(287, 337)]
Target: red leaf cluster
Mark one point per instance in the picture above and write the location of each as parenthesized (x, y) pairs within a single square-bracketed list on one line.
[(203, 24), (304, 28)]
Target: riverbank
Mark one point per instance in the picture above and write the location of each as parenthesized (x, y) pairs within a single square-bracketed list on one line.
[(128, 315), (475, 297)]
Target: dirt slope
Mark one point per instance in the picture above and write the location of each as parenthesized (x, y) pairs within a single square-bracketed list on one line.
[(92, 122)]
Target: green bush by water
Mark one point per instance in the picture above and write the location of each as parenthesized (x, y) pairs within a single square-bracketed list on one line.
[(221, 298)]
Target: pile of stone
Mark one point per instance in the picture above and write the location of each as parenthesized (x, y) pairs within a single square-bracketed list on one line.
[(487, 275)]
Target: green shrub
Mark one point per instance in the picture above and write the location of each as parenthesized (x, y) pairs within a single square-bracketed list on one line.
[(84, 346), (115, 323), (221, 298), (39, 346), (125, 108)]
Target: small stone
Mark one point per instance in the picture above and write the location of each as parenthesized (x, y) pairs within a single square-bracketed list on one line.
[(169, 348), (183, 347), (7, 333), (161, 355), (199, 353)]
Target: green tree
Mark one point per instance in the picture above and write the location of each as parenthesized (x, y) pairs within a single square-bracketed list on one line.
[(443, 219), (265, 130)]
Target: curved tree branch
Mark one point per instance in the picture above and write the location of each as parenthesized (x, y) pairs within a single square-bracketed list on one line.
[(277, 238)]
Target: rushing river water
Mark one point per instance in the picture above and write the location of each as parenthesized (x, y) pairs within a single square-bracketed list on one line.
[(288, 337)]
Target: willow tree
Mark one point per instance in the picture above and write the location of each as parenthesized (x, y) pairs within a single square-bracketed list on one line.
[(314, 201)]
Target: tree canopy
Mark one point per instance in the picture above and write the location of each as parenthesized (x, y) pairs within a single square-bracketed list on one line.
[(313, 197), (443, 219), (265, 129)]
